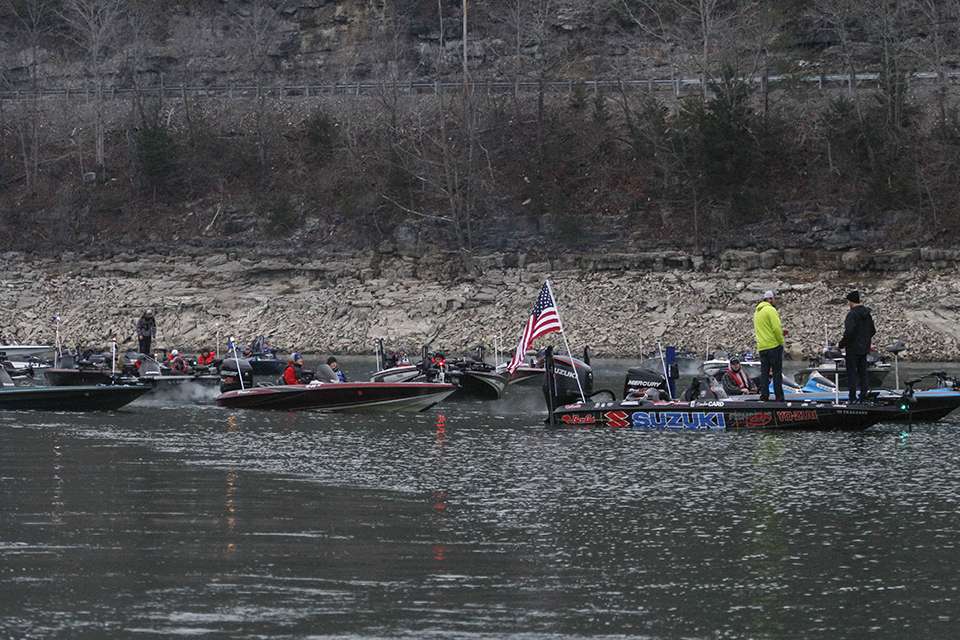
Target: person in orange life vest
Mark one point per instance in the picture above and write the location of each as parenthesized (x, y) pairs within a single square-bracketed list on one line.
[(735, 380), (294, 371), (205, 359)]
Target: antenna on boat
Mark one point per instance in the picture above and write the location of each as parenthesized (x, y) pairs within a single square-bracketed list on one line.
[(113, 358), (380, 355), (232, 343), (666, 374)]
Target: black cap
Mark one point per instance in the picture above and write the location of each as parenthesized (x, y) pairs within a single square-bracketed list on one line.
[(854, 296), (734, 360)]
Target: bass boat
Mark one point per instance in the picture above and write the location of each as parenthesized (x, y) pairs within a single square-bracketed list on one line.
[(340, 396), (327, 394), (647, 409), (473, 378), (82, 398)]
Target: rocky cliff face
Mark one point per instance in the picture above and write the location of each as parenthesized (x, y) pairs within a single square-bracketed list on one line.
[(620, 305)]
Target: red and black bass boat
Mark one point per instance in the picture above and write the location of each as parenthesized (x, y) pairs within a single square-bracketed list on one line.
[(327, 394), (340, 396)]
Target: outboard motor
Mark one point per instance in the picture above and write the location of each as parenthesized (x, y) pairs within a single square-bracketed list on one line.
[(231, 375), (638, 380), (565, 373)]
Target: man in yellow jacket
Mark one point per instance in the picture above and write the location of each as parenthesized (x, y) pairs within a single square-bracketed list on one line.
[(769, 333)]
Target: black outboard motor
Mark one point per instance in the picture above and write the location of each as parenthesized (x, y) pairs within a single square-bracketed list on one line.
[(565, 373), (230, 375), (638, 380)]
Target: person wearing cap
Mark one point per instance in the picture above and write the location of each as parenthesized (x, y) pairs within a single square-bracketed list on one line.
[(769, 335), (293, 374), (332, 363), (146, 330), (858, 332), (735, 380)]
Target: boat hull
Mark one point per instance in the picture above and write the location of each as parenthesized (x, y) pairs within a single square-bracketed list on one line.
[(526, 376), (347, 396), (725, 415), (76, 377), (927, 406), (481, 385), (24, 351), (72, 398)]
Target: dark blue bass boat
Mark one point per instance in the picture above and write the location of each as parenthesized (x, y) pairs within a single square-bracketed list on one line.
[(645, 410)]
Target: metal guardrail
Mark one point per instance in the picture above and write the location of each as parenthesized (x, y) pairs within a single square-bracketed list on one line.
[(367, 88)]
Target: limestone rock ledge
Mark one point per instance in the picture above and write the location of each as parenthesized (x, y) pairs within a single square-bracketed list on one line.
[(620, 304)]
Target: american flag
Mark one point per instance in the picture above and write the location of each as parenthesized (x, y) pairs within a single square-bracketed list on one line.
[(544, 320)]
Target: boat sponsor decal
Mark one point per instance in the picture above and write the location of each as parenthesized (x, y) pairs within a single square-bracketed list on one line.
[(566, 373), (578, 419), (749, 420), (651, 384), (799, 415), (618, 419), (679, 420)]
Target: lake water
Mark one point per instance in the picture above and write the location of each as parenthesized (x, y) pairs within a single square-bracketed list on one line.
[(472, 521)]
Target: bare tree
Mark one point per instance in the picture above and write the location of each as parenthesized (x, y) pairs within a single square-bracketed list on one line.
[(33, 19), (940, 20), (93, 25), (696, 25), (258, 41)]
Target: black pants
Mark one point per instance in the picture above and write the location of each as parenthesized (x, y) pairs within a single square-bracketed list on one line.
[(145, 344), (857, 377), (771, 360)]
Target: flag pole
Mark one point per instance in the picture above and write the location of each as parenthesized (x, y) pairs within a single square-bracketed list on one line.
[(566, 344)]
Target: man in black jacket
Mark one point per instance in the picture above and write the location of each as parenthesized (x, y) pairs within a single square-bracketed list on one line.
[(858, 331)]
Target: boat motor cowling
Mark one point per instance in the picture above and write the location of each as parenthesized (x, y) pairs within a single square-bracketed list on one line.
[(566, 370), (638, 380)]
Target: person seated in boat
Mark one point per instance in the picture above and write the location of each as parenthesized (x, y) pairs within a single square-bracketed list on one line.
[(177, 363), (735, 380), (293, 374), (205, 357), (332, 363)]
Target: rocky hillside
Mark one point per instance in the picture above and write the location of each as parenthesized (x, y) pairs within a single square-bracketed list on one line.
[(620, 305)]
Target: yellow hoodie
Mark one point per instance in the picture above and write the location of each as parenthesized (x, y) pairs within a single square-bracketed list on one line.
[(766, 326)]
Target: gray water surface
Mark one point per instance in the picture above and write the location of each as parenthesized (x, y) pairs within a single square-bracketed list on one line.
[(170, 520)]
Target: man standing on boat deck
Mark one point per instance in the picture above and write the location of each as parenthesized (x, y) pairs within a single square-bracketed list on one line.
[(146, 330), (858, 332), (769, 334)]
